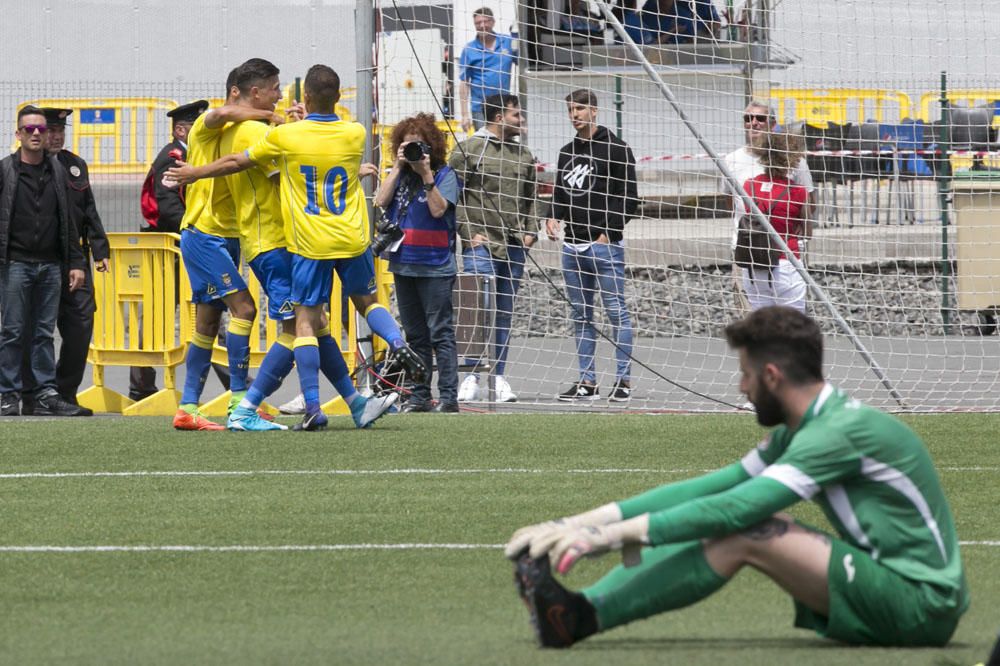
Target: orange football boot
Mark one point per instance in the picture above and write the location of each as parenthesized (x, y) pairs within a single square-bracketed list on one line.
[(185, 421)]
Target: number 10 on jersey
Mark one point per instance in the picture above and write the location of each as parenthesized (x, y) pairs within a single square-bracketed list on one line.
[(334, 190)]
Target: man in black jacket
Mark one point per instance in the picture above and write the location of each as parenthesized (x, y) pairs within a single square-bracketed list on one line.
[(39, 242), (595, 193), (166, 214), (76, 309)]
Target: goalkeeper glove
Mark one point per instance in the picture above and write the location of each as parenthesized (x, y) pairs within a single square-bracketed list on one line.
[(602, 515), (593, 541)]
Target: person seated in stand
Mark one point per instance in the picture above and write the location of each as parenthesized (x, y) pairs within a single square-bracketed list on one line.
[(671, 21), (579, 21)]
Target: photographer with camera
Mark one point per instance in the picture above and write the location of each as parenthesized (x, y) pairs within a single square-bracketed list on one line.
[(417, 232)]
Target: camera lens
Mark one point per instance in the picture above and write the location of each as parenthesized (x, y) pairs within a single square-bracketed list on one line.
[(413, 151)]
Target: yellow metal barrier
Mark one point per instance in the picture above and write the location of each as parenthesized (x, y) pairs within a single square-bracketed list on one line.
[(136, 320), (968, 97), (129, 123), (818, 107), (930, 110)]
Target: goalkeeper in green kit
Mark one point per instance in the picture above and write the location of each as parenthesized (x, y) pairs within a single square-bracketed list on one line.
[(891, 576)]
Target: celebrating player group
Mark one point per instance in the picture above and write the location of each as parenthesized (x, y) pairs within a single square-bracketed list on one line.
[(288, 198)]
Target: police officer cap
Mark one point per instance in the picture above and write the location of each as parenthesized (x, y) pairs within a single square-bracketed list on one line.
[(56, 117), (188, 113)]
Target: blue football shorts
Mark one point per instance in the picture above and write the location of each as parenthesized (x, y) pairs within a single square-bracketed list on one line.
[(312, 279), (274, 271), (211, 263)]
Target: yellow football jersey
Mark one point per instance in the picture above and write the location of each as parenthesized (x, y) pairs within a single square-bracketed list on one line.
[(208, 205), (255, 195), (322, 202)]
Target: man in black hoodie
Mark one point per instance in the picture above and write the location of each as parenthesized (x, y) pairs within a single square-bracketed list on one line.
[(39, 248), (595, 194)]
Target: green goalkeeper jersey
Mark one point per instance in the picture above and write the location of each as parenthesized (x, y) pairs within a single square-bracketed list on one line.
[(875, 481), (871, 475)]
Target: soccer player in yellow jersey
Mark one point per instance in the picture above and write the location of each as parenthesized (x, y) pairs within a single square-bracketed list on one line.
[(326, 224), (210, 247), (255, 195)]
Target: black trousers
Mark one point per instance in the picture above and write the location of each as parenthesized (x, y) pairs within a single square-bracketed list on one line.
[(75, 324)]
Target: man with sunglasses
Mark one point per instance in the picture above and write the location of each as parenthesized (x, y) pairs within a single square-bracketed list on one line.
[(758, 119), (39, 245), (76, 309)]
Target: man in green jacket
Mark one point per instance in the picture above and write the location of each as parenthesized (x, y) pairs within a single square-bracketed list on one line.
[(497, 220)]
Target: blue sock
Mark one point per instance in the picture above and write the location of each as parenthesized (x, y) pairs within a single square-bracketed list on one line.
[(334, 368), (277, 363), (238, 347), (307, 361), (383, 325), (197, 363)]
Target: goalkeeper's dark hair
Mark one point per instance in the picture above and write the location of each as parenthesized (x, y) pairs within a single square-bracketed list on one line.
[(254, 72), (322, 84), (496, 105), (782, 336)]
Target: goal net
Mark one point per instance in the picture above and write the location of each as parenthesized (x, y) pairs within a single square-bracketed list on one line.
[(894, 105)]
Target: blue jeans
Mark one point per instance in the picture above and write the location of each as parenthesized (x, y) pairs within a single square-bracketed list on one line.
[(425, 312), (507, 275), (29, 298), (601, 267)]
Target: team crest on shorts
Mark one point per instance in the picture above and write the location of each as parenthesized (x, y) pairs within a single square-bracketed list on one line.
[(371, 285), (226, 280)]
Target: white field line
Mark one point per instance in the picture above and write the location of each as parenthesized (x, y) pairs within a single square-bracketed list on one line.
[(379, 472), (286, 548)]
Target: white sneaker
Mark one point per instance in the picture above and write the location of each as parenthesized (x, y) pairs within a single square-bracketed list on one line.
[(296, 405), (503, 391), (469, 390)]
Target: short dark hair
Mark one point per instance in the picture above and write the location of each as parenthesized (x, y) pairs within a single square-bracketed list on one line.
[(583, 96), (231, 81), (495, 105), (483, 11), (784, 336), (323, 86), (253, 73), (29, 111)]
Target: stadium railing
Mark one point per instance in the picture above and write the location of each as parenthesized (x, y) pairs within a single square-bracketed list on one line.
[(129, 123), (839, 106), (122, 135)]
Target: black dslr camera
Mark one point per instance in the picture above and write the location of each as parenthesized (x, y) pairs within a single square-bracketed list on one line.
[(414, 151), (388, 231)]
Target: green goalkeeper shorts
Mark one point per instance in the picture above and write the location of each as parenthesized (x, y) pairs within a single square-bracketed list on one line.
[(872, 605)]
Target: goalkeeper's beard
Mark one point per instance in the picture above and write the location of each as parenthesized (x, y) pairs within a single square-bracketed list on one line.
[(770, 411)]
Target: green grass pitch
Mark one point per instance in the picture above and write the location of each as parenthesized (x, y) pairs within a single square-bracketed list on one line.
[(417, 479)]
